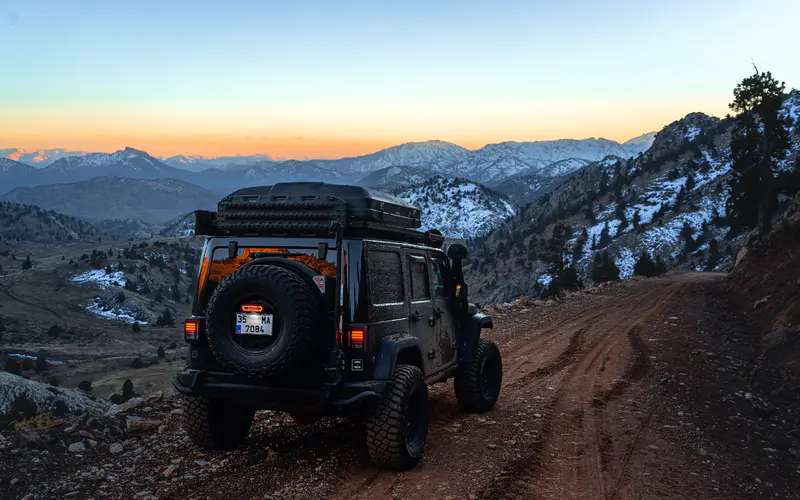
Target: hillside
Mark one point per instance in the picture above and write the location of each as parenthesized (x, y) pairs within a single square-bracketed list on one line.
[(26, 223), (668, 203), (151, 201), (457, 207)]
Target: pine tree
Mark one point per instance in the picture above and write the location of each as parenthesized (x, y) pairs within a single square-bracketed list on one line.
[(604, 268), (713, 255), (760, 139), (605, 237), (690, 183), (636, 220), (27, 264), (565, 278), (646, 267)]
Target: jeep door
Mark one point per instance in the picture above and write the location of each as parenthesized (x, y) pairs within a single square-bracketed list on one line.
[(442, 294), (423, 321), (388, 296)]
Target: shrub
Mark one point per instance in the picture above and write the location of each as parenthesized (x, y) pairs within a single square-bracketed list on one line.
[(85, 385), (127, 390), (27, 364), (13, 366), (165, 319), (41, 364)]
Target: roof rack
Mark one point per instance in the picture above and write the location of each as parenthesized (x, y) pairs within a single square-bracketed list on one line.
[(315, 209)]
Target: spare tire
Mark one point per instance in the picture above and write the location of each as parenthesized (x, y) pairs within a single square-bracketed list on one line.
[(295, 311)]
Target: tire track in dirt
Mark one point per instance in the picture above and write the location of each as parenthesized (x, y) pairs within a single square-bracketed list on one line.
[(560, 429), (16, 298), (574, 423)]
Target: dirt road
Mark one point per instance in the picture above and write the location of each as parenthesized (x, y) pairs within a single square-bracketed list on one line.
[(559, 431), (639, 391)]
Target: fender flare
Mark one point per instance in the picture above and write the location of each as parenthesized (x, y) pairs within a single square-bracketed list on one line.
[(470, 334), (390, 348)]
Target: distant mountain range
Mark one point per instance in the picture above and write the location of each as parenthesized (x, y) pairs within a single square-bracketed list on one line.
[(491, 164), (38, 158), (140, 192)]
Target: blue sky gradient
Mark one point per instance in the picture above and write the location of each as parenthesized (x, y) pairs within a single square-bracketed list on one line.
[(336, 77)]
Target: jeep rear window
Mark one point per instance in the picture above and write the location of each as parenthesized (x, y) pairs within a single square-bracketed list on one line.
[(420, 288), (222, 265), (385, 277)]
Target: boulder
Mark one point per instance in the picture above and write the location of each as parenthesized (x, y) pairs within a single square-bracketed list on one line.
[(25, 398), (138, 426)]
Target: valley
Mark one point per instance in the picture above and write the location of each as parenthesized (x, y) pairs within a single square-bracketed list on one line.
[(76, 305)]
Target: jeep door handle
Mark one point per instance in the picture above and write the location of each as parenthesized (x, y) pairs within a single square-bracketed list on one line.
[(416, 317)]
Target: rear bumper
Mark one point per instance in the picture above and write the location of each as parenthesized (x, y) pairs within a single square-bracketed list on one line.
[(330, 399)]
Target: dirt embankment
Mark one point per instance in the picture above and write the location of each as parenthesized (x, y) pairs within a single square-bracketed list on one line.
[(641, 391), (765, 284)]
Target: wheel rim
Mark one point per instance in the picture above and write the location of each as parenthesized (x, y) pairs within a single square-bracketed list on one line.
[(491, 375), (416, 420)]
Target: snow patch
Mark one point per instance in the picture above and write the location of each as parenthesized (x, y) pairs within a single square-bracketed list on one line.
[(101, 277)]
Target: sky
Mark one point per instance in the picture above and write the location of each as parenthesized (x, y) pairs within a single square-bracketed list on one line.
[(340, 78)]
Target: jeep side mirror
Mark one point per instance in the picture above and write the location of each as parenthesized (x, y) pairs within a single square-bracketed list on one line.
[(458, 252)]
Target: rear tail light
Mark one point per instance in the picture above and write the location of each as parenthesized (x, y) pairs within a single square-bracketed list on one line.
[(252, 308), (357, 336), (191, 329)]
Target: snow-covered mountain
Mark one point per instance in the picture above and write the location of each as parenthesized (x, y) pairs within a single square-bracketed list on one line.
[(434, 156), (129, 163), (668, 203), (14, 173), (639, 144), (541, 162), (196, 163), (393, 178), (264, 173), (459, 208), (38, 158), (492, 163)]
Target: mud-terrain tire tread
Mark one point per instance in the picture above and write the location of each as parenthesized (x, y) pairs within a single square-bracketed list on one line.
[(302, 328), (215, 424), (385, 423), (468, 379)]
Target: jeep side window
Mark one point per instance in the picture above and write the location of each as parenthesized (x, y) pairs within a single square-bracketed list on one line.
[(442, 278), (385, 277), (420, 286)]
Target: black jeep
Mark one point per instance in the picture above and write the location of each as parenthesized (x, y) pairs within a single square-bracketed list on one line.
[(319, 299)]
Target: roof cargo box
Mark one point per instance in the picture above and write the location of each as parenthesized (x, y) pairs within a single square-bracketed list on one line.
[(309, 203)]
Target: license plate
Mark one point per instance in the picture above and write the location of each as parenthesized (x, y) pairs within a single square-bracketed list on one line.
[(253, 324)]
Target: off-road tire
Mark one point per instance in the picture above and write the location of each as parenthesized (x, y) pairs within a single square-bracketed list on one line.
[(388, 441), (476, 394), (300, 311), (215, 424)]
